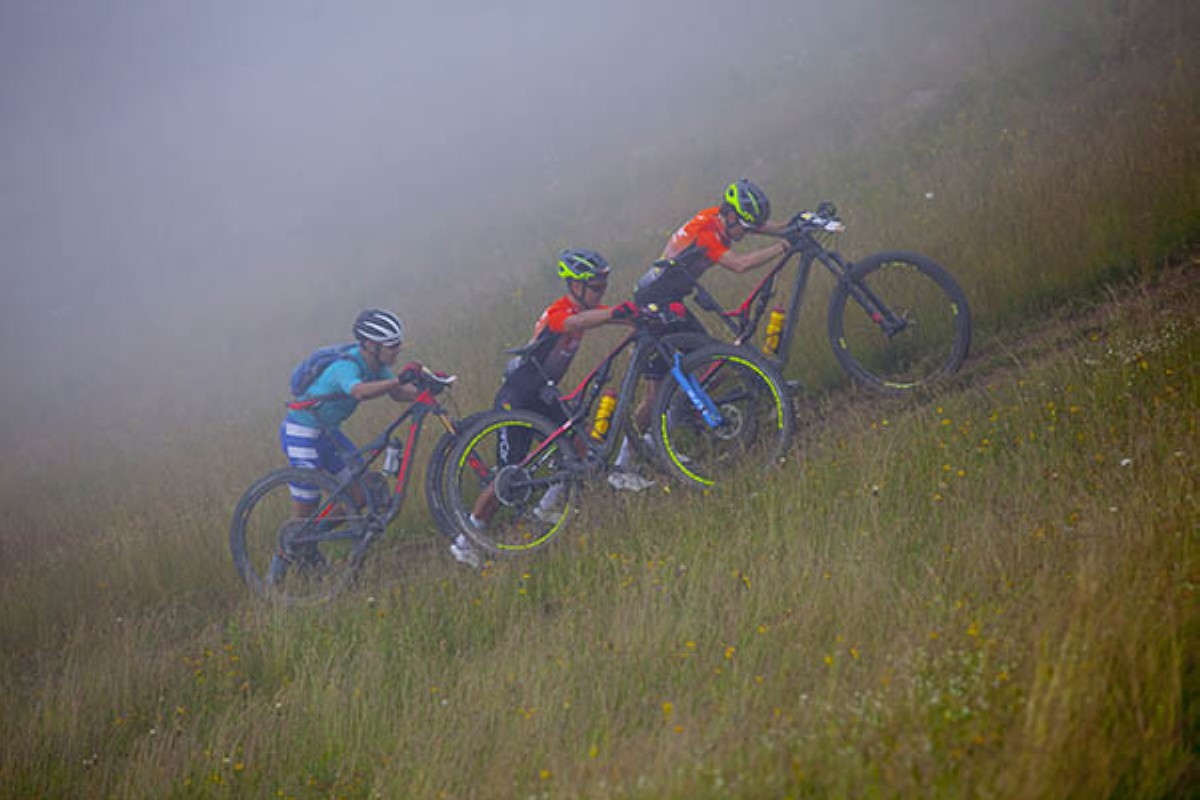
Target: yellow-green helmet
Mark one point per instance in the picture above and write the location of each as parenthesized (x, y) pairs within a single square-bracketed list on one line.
[(749, 202), (577, 264)]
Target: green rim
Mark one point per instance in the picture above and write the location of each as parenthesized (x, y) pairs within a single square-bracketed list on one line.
[(779, 421), (558, 523)]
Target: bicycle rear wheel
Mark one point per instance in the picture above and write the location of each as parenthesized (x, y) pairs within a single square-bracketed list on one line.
[(503, 467), (899, 322), (750, 419), (297, 560)]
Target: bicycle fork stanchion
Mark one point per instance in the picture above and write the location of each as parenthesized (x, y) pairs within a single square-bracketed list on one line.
[(700, 399), (874, 308)]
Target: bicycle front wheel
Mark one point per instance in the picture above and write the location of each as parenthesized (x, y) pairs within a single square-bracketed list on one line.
[(726, 407), (437, 481), (642, 440), (505, 470), (899, 321), (296, 537)]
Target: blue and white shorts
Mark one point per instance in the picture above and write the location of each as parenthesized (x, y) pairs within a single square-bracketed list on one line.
[(315, 448)]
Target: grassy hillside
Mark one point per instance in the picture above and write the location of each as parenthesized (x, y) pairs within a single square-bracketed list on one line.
[(987, 592)]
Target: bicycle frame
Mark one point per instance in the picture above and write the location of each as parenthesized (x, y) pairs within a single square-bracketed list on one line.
[(425, 405), (743, 321), (578, 403), (936, 311)]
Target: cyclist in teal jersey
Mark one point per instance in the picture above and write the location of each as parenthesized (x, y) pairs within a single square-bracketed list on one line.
[(310, 435)]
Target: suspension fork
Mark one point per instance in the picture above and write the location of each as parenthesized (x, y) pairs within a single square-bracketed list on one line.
[(695, 393), (874, 307)]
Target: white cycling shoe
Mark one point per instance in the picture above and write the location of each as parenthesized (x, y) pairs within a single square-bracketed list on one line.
[(624, 481), (464, 553)]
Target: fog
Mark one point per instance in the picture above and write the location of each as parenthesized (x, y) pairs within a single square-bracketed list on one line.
[(188, 186)]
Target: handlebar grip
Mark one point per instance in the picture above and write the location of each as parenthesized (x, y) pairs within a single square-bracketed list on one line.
[(435, 382)]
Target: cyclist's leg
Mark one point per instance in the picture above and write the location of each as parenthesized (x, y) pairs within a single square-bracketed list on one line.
[(508, 442), (301, 447), (555, 496), (317, 449)]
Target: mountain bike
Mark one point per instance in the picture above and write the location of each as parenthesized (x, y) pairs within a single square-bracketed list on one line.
[(721, 406), (303, 558), (896, 320)]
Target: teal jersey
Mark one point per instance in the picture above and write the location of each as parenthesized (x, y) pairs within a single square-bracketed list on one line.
[(337, 379)]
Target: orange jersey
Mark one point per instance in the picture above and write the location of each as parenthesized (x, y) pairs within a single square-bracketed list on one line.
[(697, 245), (555, 348), (706, 231)]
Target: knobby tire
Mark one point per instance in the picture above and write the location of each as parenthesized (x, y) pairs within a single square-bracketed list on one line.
[(933, 344), (756, 417)]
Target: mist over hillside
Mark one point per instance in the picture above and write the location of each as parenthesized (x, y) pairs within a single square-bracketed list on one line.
[(196, 194), (986, 589)]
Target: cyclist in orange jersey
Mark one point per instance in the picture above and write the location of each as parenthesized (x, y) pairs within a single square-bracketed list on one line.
[(530, 378), (700, 243)]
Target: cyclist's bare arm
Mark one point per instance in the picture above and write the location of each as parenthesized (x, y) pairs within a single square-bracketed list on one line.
[(586, 320), (369, 390), (771, 228), (404, 391), (744, 262)]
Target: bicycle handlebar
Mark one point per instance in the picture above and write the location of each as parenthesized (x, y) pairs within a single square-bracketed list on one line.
[(652, 314), (824, 219), (436, 382)]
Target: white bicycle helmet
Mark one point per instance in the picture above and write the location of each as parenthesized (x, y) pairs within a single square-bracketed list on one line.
[(374, 325)]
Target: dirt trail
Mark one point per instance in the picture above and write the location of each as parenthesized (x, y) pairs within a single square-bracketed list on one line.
[(1165, 297)]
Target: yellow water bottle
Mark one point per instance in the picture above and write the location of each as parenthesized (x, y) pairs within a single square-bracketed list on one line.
[(604, 410), (774, 328)]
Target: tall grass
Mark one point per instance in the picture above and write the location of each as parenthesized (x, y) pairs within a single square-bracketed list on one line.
[(989, 592), (988, 595)]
